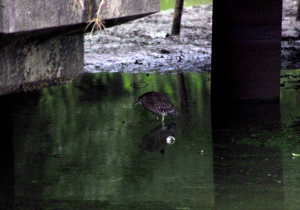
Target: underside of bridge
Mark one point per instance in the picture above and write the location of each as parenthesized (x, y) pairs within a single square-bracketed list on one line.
[(41, 43)]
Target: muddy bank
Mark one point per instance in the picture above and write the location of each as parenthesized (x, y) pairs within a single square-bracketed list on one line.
[(144, 45)]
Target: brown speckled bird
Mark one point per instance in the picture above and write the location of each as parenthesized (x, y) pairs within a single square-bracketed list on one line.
[(157, 103)]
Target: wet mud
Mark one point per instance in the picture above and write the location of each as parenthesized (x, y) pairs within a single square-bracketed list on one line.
[(145, 45)]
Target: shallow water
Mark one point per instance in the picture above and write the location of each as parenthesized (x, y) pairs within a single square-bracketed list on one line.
[(84, 146)]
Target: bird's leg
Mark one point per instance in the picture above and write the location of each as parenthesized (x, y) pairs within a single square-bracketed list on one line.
[(162, 119)]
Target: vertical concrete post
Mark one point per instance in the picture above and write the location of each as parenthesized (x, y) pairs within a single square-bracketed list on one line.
[(246, 49)]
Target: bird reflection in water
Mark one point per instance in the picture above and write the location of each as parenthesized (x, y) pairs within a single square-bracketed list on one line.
[(158, 138), (158, 104)]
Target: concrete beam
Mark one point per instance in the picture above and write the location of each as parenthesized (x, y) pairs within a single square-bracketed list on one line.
[(32, 64), (24, 15)]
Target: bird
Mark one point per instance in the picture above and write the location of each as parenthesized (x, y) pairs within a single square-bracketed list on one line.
[(157, 103)]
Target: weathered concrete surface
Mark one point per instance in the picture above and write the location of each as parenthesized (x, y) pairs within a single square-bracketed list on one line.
[(41, 42), (24, 15), (32, 64)]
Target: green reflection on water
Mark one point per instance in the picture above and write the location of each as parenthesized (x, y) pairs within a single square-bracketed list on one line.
[(80, 143)]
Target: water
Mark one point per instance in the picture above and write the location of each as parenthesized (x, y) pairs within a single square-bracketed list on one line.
[(84, 146)]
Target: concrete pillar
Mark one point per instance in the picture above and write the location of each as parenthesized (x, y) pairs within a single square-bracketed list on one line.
[(246, 49), (27, 16), (28, 64), (6, 154)]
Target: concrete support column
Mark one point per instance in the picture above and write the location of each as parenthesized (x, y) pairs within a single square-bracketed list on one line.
[(246, 49), (34, 63)]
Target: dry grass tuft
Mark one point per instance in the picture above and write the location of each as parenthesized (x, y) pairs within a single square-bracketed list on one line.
[(97, 21), (98, 24)]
